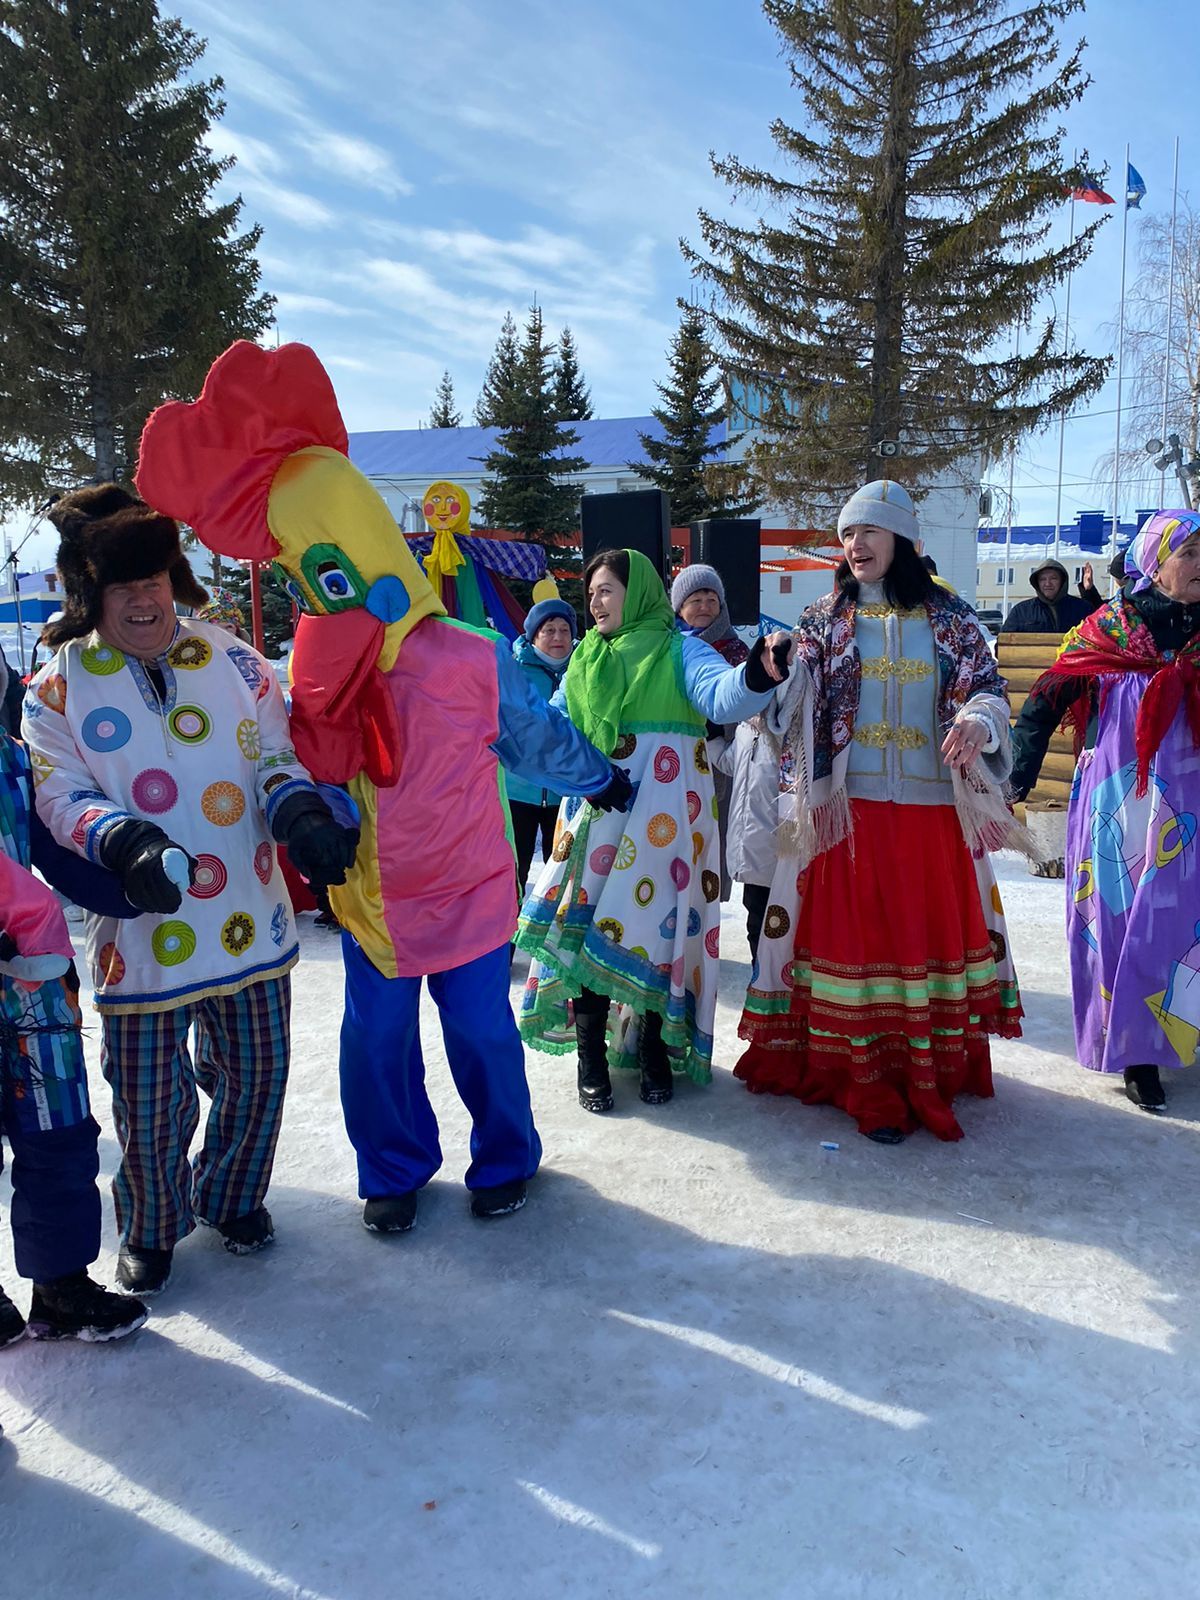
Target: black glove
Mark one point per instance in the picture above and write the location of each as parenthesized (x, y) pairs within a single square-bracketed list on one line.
[(134, 851), (757, 677), (616, 794), (8, 946), (320, 848)]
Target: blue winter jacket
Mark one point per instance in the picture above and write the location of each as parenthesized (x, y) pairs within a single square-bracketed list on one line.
[(545, 680)]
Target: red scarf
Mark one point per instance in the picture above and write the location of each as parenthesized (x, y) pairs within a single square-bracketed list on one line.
[(1115, 640)]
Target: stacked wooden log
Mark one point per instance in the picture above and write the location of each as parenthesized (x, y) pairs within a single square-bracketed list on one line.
[(1022, 658)]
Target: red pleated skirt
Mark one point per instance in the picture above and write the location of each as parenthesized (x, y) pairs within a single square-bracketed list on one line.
[(894, 989)]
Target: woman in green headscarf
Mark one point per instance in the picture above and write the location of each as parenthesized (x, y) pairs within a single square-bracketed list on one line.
[(628, 907)]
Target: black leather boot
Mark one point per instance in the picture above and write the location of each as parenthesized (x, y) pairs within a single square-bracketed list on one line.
[(1144, 1087), (595, 1086), (653, 1062)]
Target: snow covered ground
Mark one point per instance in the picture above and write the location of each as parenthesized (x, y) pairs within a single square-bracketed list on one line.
[(709, 1357)]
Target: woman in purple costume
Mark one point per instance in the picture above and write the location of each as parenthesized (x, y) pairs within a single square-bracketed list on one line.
[(1129, 678)]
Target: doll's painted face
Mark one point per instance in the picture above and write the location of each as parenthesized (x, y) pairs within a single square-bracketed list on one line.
[(447, 508)]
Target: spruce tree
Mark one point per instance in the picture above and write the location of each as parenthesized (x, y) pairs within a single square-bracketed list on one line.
[(121, 278), (443, 414), (572, 397), (523, 491), (900, 241), (682, 462), (277, 609), (501, 377)]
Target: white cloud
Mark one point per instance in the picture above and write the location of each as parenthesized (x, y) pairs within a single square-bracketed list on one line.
[(357, 160), (305, 210), (289, 304)]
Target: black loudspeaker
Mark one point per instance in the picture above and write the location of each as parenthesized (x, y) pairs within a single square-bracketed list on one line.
[(731, 545), (640, 520)]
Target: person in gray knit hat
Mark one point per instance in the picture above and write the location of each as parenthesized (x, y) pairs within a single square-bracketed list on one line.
[(878, 984)]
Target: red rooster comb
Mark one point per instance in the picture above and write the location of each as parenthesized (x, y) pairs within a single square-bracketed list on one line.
[(211, 463)]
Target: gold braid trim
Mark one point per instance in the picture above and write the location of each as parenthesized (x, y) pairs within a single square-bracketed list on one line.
[(906, 670), (877, 735)]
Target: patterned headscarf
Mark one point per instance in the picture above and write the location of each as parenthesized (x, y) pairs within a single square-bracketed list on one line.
[(1160, 536), (223, 609)]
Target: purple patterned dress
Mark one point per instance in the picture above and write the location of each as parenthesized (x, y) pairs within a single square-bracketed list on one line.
[(1133, 903)]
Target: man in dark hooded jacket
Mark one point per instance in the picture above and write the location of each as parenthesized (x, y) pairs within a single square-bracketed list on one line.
[(1054, 609)]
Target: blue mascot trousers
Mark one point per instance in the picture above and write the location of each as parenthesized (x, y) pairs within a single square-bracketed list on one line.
[(388, 1115)]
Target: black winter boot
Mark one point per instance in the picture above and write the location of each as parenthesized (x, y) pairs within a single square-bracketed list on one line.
[(653, 1061), (143, 1271), (1144, 1087), (76, 1308), (244, 1235), (12, 1323), (595, 1085)]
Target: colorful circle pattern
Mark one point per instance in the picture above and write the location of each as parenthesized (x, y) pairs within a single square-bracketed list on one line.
[(701, 756), (776, 924), (52, 692), (681, 873), (223, 803), (111, 964), (154, 791), (264, 862), (101, 660), (666, 765), (190, 653), (602, 858), (643, 891), (173, 942), (712, 942), (661, 830), (190, 724), (562, 845), (624, 747), (693, 805), (248, 738), (711, 884), (105, 729), (211, 878), (611, 929), (238, 933), (626, 853)]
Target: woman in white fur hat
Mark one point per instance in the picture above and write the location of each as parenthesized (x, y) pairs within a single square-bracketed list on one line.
[(883, 965)]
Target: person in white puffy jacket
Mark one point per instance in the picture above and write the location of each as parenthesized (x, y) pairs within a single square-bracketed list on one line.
[(751, 760)]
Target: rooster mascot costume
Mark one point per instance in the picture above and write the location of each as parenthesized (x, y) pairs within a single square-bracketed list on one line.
[(414, 715)]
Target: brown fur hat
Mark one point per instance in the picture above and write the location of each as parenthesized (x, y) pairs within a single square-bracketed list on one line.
[(108, 535)]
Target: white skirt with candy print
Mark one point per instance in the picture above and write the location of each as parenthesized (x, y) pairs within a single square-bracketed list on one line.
[(629, 906)]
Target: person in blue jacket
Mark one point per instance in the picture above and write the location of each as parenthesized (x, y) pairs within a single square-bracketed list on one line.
[(542, 652), (45, 1114)]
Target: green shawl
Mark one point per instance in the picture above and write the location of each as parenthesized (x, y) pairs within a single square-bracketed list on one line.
[(631, 681)]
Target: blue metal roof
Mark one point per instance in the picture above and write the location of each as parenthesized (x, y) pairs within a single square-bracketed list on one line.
[(454, 452)]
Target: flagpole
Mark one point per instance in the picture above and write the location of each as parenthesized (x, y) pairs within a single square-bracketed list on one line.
[(1062, 421), (1120, 365), (1012, 462), (1162, 477)]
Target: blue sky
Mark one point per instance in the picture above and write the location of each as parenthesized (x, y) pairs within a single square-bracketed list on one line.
[(419, 169)]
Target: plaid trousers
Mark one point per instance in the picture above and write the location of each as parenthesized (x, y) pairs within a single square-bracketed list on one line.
[(244, 1044)]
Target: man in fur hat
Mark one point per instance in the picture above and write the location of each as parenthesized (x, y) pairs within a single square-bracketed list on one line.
[(160, 749)]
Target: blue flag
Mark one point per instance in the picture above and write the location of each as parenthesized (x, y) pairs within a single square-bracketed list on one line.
[(1135, 188)]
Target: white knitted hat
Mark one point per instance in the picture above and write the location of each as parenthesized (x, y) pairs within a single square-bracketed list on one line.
[(882, 504)]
